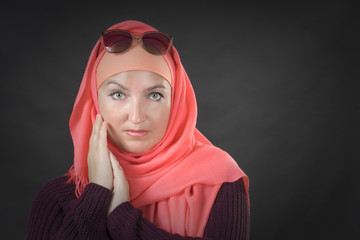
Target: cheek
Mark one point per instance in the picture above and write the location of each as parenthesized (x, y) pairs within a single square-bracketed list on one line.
[(108, 110), (101, 103), (162, 119), (112, 117), (104, 109)]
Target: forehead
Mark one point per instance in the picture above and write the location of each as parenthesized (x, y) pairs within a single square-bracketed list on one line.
[(139, 79)]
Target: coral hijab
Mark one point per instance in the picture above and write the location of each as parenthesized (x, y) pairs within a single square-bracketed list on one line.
[(176, 182)]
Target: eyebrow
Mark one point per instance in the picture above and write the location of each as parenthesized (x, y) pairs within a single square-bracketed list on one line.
[(118, 84), (154, 87)]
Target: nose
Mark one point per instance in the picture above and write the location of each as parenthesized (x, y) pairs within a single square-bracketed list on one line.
[(136, 112)]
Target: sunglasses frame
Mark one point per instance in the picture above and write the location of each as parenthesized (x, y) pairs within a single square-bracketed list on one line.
[(135, 37)]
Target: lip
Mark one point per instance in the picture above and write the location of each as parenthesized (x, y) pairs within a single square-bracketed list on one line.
[(136, 133)]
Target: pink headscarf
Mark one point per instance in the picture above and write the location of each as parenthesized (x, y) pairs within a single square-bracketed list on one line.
[(176, 182)]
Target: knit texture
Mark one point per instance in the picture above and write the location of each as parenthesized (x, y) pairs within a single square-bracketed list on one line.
[(56, 213)]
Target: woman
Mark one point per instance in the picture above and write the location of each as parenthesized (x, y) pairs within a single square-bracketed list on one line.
[(141, 168)]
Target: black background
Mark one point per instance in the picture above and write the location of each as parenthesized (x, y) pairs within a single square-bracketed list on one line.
[(276, 88)]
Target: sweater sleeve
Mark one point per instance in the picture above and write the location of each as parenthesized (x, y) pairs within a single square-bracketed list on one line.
[(229, 218), (57, 214)]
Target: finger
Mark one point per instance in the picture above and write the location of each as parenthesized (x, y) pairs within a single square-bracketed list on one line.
[(103, 129), (113, 160), (97, 125), (117, 168), (95, 130), (103, 135), (115, 163)]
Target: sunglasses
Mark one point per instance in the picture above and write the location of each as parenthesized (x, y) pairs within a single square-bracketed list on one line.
[(118, 41)]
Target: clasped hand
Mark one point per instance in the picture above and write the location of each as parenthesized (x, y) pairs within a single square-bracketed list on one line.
[(104, 169)]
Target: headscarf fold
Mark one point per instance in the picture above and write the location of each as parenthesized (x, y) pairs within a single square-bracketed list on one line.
[(176, 182)]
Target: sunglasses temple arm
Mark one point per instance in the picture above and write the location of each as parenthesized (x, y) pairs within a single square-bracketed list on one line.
[(171, 51), (98, 50)]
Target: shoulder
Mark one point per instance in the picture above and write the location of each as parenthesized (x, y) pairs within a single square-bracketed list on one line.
[(209, 159), (240, 183), (56, 189), (233, 191), (48, 208)]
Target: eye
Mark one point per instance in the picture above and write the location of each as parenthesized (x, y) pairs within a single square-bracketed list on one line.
[(155, 96), (118, 95)]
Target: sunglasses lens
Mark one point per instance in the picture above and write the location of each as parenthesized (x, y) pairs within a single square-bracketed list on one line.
[(117, 41), (156, 43)]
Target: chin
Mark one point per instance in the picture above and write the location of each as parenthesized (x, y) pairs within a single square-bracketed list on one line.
[(134, 148)]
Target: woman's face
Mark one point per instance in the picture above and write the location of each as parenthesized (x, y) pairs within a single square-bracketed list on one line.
[(136, 106)]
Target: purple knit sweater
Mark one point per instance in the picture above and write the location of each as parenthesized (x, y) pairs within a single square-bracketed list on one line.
[(56, 213)]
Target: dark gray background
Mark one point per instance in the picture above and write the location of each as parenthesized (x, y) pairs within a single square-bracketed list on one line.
[(276, 87)]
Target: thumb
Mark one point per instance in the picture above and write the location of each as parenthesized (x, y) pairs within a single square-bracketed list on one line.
[(117, 169), (120, 181)]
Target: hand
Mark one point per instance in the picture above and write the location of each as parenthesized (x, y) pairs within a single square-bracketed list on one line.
[(121, 186), (99, 166)]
